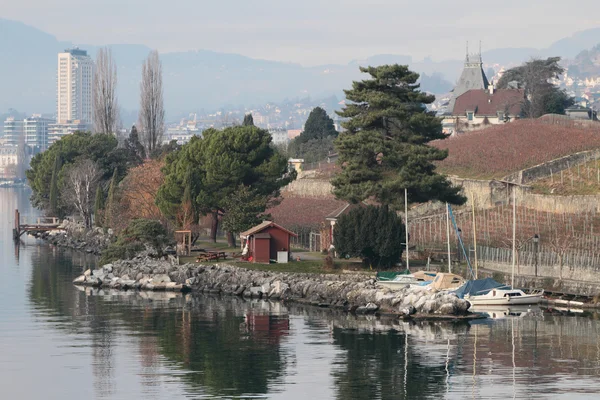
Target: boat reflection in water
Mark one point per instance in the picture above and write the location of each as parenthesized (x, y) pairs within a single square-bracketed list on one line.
[(501, 312)]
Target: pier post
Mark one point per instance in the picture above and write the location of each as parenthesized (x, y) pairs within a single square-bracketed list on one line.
[(17, 228)]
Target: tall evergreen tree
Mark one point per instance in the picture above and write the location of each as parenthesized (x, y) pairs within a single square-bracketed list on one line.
[(99, 206), (133, 145), (318, 126), (374, 234), (248, 120), (110, 200), (385, 146), (54, 187)]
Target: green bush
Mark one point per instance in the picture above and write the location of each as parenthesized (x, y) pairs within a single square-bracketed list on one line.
[(134, 238), (374, 234)]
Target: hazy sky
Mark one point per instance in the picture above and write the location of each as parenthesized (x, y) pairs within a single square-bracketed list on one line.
[(309, 31)]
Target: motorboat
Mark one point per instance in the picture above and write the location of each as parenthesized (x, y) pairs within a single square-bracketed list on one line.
[(504, 296), (398, 282)]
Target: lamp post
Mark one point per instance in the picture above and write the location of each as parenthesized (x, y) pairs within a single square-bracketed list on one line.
[(536, 242), (458, 232)]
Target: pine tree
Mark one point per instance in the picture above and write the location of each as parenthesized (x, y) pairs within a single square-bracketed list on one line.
[(99, 206), (110, 201), (134, 146), (248, 120), (385, 146), (318, 126), (374, 234), (54, 187)]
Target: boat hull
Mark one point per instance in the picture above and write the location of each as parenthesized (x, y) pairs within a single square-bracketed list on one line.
[(504, 301), (395, 285)]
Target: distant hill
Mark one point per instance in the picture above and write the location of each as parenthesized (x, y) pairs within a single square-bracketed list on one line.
[(209, 80), (586, 64)]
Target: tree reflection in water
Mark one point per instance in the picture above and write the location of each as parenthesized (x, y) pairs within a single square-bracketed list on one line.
[(408, 364), (233, 348)]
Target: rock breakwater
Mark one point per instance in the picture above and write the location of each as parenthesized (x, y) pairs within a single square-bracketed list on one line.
[(351, 292), (76, 236)]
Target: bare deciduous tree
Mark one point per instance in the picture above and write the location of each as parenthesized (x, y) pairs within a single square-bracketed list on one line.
[(560, 245), (81, 181), (152, 113), (106, 107)]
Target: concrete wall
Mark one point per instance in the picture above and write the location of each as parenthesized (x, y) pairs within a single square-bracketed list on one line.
[(545, 170)]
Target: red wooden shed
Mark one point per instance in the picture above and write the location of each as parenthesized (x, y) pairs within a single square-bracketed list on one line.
[(266, 240)]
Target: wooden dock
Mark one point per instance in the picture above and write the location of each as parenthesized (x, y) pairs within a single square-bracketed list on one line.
[(40, 224)]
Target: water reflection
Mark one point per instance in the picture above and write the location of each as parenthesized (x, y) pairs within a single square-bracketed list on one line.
[(235, 348), (74, 341)]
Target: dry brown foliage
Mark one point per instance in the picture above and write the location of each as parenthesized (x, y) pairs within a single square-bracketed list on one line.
[(138, 192)]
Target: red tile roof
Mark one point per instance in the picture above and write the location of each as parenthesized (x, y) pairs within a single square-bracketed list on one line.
[(485, 104), (304, 211)]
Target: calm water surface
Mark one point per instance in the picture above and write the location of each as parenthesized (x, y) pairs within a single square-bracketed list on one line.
[(60, 342)]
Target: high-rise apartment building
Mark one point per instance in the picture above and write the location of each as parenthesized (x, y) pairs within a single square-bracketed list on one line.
[(32, 131), (35, 129), (74, 87), (13, 130)]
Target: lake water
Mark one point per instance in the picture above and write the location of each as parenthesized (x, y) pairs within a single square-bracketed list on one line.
[(60, 342)]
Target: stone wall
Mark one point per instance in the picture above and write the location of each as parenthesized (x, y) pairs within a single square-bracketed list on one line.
[(305, 187)]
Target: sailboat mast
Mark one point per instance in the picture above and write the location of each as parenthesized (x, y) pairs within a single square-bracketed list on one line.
[(406, 224), (448, 236), (514, 237), (474, 232)]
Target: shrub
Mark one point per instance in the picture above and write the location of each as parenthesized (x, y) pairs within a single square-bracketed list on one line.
[(374, 234), (133, 239)]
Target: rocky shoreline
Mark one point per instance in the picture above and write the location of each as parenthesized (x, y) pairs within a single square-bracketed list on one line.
[(350, 292), (75, 236)]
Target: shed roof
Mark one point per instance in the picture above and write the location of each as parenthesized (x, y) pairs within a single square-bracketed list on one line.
[(345, 208), (262, 226)]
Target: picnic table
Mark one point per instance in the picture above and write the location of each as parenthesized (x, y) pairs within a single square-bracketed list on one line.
[(209, 255)]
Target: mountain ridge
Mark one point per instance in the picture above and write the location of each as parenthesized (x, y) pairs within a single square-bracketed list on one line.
[(205, 79)]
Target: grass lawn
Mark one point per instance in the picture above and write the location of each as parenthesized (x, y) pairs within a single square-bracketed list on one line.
[(315, 265)]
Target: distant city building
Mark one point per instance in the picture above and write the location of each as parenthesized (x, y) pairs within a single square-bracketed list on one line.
[(280, 137), (183, 132), (35, 129), (74, 87), (9, 159), (13, 130), (57, 130)]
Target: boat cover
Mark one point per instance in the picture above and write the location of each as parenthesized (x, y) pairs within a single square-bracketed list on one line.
[(390, 275), (477, 287)]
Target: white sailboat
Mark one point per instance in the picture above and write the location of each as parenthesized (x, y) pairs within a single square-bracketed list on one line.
[(506, 295)]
